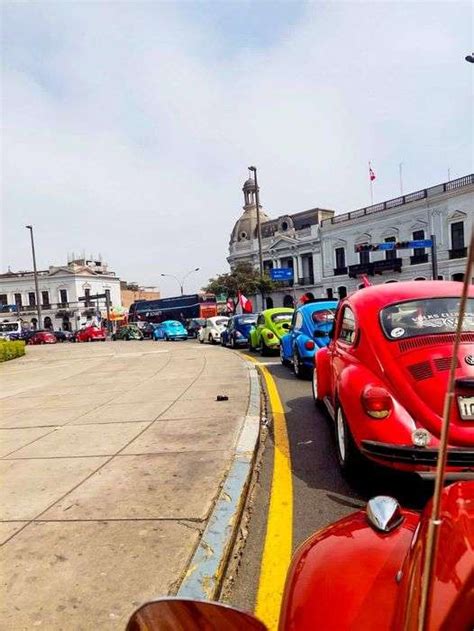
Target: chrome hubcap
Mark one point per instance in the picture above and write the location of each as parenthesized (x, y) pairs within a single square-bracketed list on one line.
[(315, 384), (340, 435), (296, 362)]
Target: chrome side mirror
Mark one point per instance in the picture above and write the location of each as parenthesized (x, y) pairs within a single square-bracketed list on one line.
[(383, 513)]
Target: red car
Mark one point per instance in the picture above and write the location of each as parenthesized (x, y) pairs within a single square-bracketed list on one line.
[(384, 375), (91, 334), (362, 573), (42, 337)]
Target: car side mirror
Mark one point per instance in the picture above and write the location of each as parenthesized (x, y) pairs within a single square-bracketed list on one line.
[(192, 615)]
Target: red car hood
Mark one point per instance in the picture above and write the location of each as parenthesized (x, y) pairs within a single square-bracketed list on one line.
[(418, 372)]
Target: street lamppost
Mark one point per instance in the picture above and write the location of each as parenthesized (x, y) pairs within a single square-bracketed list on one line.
[(181, 282), (35, 272), (259, 232)]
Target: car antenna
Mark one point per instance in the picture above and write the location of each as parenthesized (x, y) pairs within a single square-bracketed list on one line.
[(435, 521)]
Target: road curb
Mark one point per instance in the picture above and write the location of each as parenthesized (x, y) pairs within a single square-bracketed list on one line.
[(205, 571)]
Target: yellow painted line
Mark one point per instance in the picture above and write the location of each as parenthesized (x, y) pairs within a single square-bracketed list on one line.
[(279, 536)]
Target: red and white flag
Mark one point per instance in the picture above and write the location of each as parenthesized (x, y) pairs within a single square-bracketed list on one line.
[(372, 175), (245, 303)]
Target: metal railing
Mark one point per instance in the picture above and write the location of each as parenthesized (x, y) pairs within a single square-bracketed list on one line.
[(403, 199)]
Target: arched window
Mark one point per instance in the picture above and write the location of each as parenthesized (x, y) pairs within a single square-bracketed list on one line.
[(330, 293), (47, 323), (269, 303), (288, 301), (392, 280), (459, 277), (420, 278), (34, 322), (342, 292)]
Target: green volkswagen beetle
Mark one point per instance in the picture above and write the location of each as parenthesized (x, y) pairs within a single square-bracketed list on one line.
[(271, 326), (128, 332)]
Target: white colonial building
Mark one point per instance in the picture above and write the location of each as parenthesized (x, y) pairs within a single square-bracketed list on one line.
[(320, 246), (60, 290)]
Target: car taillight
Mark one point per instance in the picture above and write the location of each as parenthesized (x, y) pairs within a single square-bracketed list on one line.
[(270, 335), (376, 401), (309, 344)]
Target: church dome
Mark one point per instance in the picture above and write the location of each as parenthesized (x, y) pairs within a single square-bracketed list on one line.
[(249, 185)]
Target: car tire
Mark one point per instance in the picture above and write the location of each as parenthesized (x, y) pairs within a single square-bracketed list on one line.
[(114, 337), (298, 367), (284, 361), (263, 349), (314, 389), (232, 343), (201, 341), (211, 339), (347, 454)]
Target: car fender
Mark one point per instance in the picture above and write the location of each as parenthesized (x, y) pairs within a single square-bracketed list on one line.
[(305, 353), (397, 428), (347, 562), (287, 346), (323, 368)]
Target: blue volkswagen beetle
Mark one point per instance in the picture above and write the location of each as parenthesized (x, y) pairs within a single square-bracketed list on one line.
[(310, 326), (237, 331), (170, 330)]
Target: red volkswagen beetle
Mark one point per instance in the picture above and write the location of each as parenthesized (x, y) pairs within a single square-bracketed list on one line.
[(91, 334), (384, 375), (42, 337)]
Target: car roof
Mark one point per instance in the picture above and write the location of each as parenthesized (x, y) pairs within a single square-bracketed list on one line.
[(318, 306), (379, 296), (277, 310)]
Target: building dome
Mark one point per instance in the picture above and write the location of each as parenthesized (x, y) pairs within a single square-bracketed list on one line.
[(249, 185)]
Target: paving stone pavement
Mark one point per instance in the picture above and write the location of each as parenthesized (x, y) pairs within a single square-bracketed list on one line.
[(111, 458)]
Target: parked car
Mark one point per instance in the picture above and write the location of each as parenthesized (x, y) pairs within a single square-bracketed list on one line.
[(194, 325), (384, 375), (170, 330), (371, 559), (128, 332), (41, 337), (148, 329), (309, 332), (271, 326), (237, 331), (212, 330), (91, 334), (64, 336)]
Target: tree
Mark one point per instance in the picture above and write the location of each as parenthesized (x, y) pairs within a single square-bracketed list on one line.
[(244, 277)]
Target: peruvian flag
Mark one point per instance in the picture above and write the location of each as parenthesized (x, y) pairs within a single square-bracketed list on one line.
[(372, 175), (245, 303)]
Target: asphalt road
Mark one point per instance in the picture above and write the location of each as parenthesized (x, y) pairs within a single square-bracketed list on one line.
[(321, 495)]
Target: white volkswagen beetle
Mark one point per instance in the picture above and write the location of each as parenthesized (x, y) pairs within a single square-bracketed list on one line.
[(212, 329)]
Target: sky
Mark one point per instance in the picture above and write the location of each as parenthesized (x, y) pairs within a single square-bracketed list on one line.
[(128, 127)]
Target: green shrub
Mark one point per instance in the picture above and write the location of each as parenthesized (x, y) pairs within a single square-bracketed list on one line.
[(11, 350)]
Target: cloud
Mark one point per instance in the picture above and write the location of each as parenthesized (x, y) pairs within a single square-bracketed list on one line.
[(128, 127)]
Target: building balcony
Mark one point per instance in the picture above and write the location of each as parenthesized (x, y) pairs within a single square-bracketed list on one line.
[(458, 253), (377, 267), (340, 271), (416, 259), (306, 280)]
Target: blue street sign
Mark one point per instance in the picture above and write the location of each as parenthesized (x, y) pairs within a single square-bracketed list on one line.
[(421, 243), (281, 273)]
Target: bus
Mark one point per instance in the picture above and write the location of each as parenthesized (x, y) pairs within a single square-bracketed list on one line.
[(182, 308)]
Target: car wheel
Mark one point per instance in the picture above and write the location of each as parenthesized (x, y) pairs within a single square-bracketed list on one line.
[(263, 348), (347, 453), (201, 340), (314, 388), (211, 339), (298, 367), (232, 342), (283, 359)]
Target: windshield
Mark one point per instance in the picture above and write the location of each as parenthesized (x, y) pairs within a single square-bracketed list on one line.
[(9, 326), (247, 320), (175, 324), (281, 317), (221, 322), (323, 316), (425, 317)]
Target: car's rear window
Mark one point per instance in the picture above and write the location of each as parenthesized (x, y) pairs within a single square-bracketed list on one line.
[(247, 320), (281, 317), (323, 315), (425, 317), (221, 321)]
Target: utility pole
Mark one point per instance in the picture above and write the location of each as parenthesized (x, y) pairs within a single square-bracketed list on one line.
[(259, 232), (35, 272), (434, 257)]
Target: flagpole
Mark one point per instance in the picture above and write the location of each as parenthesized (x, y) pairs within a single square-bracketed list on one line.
[(400, 167)]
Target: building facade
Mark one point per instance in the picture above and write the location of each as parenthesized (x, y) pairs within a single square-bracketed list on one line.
[(60, 290), (131, 292), (321, 246)]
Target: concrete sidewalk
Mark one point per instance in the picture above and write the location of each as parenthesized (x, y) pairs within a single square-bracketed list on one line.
[(112, 456)]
